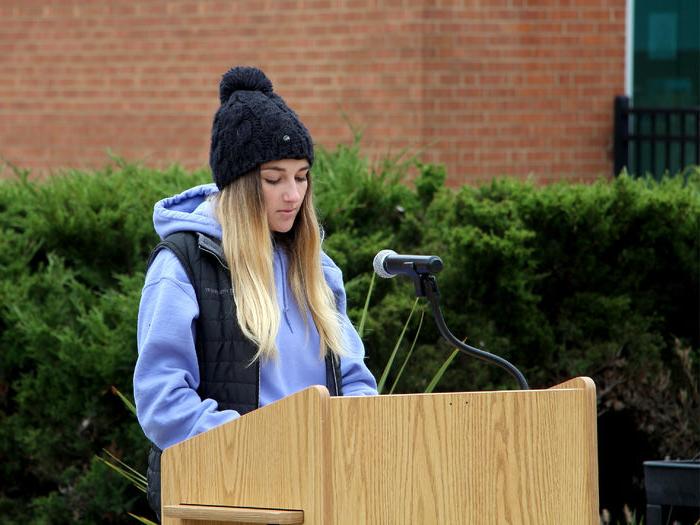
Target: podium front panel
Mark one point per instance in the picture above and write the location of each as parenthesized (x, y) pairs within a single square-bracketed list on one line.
[(490, 458)]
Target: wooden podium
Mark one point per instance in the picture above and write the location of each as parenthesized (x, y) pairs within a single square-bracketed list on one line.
[(504, 457)]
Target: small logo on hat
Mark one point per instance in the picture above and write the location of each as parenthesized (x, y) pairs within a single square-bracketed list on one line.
[(286, 138)]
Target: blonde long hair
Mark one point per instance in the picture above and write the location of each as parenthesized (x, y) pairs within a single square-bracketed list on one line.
[(248, 246)]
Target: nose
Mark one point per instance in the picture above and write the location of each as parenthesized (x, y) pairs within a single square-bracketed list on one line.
[(292, 193)]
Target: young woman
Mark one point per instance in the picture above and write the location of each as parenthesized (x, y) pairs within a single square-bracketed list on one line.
[(241, 307)]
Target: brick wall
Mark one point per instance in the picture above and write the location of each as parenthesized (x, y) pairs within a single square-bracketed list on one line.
[(487, 87)]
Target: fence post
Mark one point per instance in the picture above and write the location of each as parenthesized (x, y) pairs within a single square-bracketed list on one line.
[(621, 131)]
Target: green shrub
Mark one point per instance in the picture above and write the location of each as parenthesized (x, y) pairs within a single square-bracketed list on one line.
[(72, 254), (563, 280)]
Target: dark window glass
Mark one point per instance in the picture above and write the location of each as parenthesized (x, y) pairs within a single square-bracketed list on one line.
[(666, 53), (666, 74)]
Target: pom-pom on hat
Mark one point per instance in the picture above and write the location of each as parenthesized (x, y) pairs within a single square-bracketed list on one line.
[(253, 126)]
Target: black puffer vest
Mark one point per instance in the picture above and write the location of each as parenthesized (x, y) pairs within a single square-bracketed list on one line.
[(223, 352)]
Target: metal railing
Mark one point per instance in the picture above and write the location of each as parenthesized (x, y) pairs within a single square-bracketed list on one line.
[(655, 140)]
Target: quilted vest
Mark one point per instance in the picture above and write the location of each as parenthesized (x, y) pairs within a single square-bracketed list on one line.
[(223, 352)]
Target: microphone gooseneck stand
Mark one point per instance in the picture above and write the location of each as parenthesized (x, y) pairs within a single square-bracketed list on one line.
[(426, 286)]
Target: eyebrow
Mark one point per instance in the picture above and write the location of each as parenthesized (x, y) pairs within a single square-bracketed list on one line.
[(282, 170)]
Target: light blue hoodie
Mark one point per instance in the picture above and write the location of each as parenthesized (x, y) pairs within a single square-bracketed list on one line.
[(166, 376)]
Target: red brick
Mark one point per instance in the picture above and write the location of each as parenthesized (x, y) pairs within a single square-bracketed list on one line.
[(472, 79)]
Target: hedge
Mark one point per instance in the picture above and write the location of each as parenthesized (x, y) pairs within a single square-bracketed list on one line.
[(563, 280)]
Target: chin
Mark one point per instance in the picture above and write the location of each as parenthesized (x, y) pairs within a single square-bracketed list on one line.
[(282, 228)]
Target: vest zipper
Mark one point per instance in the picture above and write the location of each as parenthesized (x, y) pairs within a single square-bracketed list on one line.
[(211, 252), (257, 394), (335, 377)]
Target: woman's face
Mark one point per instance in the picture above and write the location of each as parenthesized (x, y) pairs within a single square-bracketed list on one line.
[(284, 184)]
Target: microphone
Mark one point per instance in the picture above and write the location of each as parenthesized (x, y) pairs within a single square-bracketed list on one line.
[(388, 263), (421, 268)]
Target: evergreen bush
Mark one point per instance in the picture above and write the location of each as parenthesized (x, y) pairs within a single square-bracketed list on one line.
[(563, 280)]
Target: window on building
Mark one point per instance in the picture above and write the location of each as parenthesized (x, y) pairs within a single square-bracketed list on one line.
[(665, 75), (666, 53)]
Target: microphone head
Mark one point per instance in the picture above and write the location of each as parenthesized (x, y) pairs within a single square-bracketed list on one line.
[(378, 264)]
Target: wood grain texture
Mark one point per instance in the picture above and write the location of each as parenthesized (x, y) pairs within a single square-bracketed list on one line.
[(234, 514), (269, 458), (513, 457), (589, 429), (209, 522), (493, 457)]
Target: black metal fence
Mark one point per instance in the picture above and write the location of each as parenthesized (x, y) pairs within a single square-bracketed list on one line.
[(655, 140)]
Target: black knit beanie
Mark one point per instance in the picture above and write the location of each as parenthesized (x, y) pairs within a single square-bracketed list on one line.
[(253, 126)]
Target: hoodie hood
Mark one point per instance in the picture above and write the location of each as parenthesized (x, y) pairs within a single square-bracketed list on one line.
[(192, 210)]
